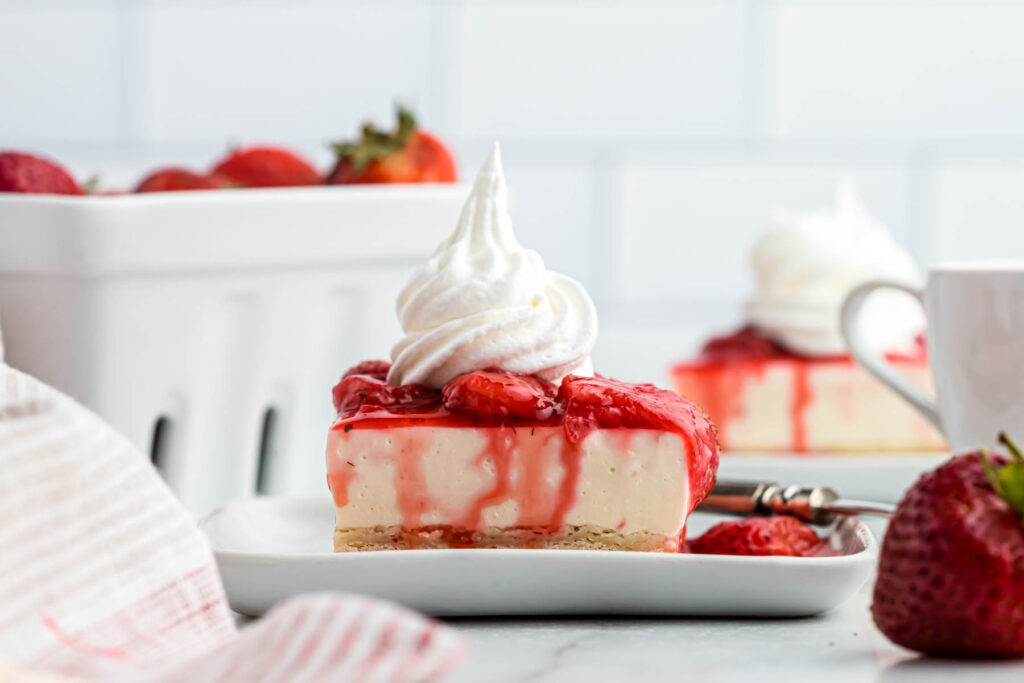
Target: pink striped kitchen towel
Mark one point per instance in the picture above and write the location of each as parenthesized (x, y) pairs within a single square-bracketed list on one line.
[(104, 576)]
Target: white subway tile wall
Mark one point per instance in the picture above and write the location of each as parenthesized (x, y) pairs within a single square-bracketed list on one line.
[(597, 71), (683, 227), (647, 142), (979, 208), (270, 71), (60, 73), (906, 71)]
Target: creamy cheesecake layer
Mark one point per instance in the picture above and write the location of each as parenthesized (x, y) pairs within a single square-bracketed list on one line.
[(808, 406), (438, 486)]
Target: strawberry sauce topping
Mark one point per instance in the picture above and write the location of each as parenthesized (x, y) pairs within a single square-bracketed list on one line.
[(358, 391), (495, 397), (745, 344), (508, 402), (373, 368)]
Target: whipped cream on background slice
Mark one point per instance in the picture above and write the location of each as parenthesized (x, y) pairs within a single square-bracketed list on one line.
[(483, 301), (807, 263)]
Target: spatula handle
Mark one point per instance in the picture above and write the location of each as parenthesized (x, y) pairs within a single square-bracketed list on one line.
[(817, 505)]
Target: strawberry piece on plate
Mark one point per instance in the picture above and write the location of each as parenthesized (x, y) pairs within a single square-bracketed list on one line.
[(785, 536), (951, 574), (406, 155), (266, 167), (28, 173)]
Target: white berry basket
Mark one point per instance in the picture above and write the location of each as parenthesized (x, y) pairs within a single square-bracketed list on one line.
[(209, 327)]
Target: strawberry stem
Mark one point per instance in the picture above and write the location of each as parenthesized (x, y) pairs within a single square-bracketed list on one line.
[(1008, 480), (990, 471), (1011, 446), (376, 144)]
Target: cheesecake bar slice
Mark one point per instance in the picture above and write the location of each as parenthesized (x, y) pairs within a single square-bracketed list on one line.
[(765, 399), (501, 460)]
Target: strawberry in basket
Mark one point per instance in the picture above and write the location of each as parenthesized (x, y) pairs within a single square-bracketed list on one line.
[(27, 173), (406, 155), (265, 166), (174, 179)]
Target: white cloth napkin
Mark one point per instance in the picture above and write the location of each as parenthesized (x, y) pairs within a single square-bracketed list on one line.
[(104, 576)]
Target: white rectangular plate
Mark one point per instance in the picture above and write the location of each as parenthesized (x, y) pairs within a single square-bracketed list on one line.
[(269, 549)]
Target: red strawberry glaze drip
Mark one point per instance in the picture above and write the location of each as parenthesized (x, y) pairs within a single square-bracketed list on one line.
[(337, 482), (536, 507), (499, 453), (727, 363), (413, 497), (798, 407), (571, 456), (580, 406)]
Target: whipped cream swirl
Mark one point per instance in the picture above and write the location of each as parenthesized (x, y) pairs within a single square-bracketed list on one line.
[(483, 301), (805, 266)]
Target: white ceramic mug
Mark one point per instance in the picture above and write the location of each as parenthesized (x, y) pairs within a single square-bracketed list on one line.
[(975, 345)]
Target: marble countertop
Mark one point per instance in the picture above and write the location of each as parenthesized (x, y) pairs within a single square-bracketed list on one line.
[(838, 647)]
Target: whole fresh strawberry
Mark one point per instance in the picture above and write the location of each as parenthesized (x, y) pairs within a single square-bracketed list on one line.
[(21, 172), (785, 536), (951, 576), (175, 179), (266, 167), (406, 155)]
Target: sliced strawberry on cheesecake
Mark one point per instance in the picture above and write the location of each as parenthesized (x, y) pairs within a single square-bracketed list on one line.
[(489, 428)]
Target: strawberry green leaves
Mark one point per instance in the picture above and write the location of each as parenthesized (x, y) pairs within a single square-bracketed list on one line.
[(1007, 480), (375, 143)]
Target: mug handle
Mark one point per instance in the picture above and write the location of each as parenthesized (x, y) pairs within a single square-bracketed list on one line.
[(871, 360)]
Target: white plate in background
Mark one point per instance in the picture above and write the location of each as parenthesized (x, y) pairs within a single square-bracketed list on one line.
[(269, 549), (874, 476)]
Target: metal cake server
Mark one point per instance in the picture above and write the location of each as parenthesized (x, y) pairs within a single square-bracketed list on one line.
[(816, 505)]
